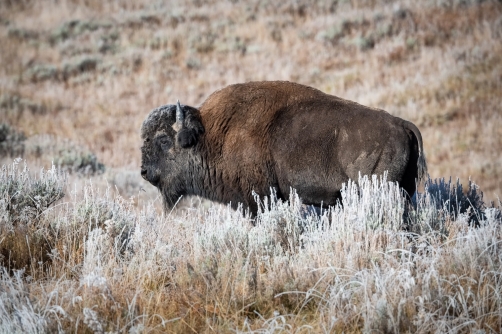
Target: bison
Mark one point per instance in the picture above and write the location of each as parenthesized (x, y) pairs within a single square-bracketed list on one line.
[(261, 135)]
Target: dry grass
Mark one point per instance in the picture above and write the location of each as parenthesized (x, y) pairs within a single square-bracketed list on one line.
[(108, 267), (78, 77)]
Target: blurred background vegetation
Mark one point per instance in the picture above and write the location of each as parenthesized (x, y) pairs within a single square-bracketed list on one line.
[(79, 76)]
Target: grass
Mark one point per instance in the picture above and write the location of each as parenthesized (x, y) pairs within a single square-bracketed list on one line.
[(85, 249), (107, 266)]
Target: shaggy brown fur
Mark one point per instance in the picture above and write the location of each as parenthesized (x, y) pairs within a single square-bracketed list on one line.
[(254, 136)]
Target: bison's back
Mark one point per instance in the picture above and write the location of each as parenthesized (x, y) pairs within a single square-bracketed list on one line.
[(284, 135)]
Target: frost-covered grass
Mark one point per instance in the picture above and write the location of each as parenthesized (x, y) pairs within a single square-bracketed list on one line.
[(375, 264)]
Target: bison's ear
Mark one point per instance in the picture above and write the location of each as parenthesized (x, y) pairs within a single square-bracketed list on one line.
[(188, 126)]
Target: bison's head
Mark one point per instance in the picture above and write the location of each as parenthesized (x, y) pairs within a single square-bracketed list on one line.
[(169, 135)]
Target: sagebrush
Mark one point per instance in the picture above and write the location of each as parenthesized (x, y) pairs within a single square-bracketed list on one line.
[(108, 266)]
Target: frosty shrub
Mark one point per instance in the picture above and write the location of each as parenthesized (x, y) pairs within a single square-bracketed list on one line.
[(118, 267), (11, 141), (76, 159), (372, 203), (23, 200), (369, 204), (444, 201), (17, 312), (91, 216), (25, 197), (65, 154)]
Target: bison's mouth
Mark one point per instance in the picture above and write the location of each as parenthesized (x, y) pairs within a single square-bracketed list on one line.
[(153, 179)]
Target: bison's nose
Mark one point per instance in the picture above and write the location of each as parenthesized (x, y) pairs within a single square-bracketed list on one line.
[(143, 173)]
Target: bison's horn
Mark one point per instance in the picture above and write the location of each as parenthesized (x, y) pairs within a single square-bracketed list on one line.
[(180, 117)]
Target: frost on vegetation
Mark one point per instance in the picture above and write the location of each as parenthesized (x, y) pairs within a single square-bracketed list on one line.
[(279, 225), (23, 201), (65, 154), (17, 314), (22, 197), (444, 202), (352, 266), (99, 222), (92, 321), (372, 203), (73, 158), (389, 280)]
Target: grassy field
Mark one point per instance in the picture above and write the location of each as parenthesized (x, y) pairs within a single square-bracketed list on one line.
[(95, 263), (86, 250)]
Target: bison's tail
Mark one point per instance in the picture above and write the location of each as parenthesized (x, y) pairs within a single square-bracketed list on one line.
[(422, 173)]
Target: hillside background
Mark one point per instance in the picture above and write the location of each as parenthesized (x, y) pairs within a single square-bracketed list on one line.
[(79, 76)]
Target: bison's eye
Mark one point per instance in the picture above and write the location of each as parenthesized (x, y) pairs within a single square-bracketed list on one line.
[(164, 142)]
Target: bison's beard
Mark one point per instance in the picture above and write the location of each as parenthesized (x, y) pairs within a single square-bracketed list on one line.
[(172, 193)]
